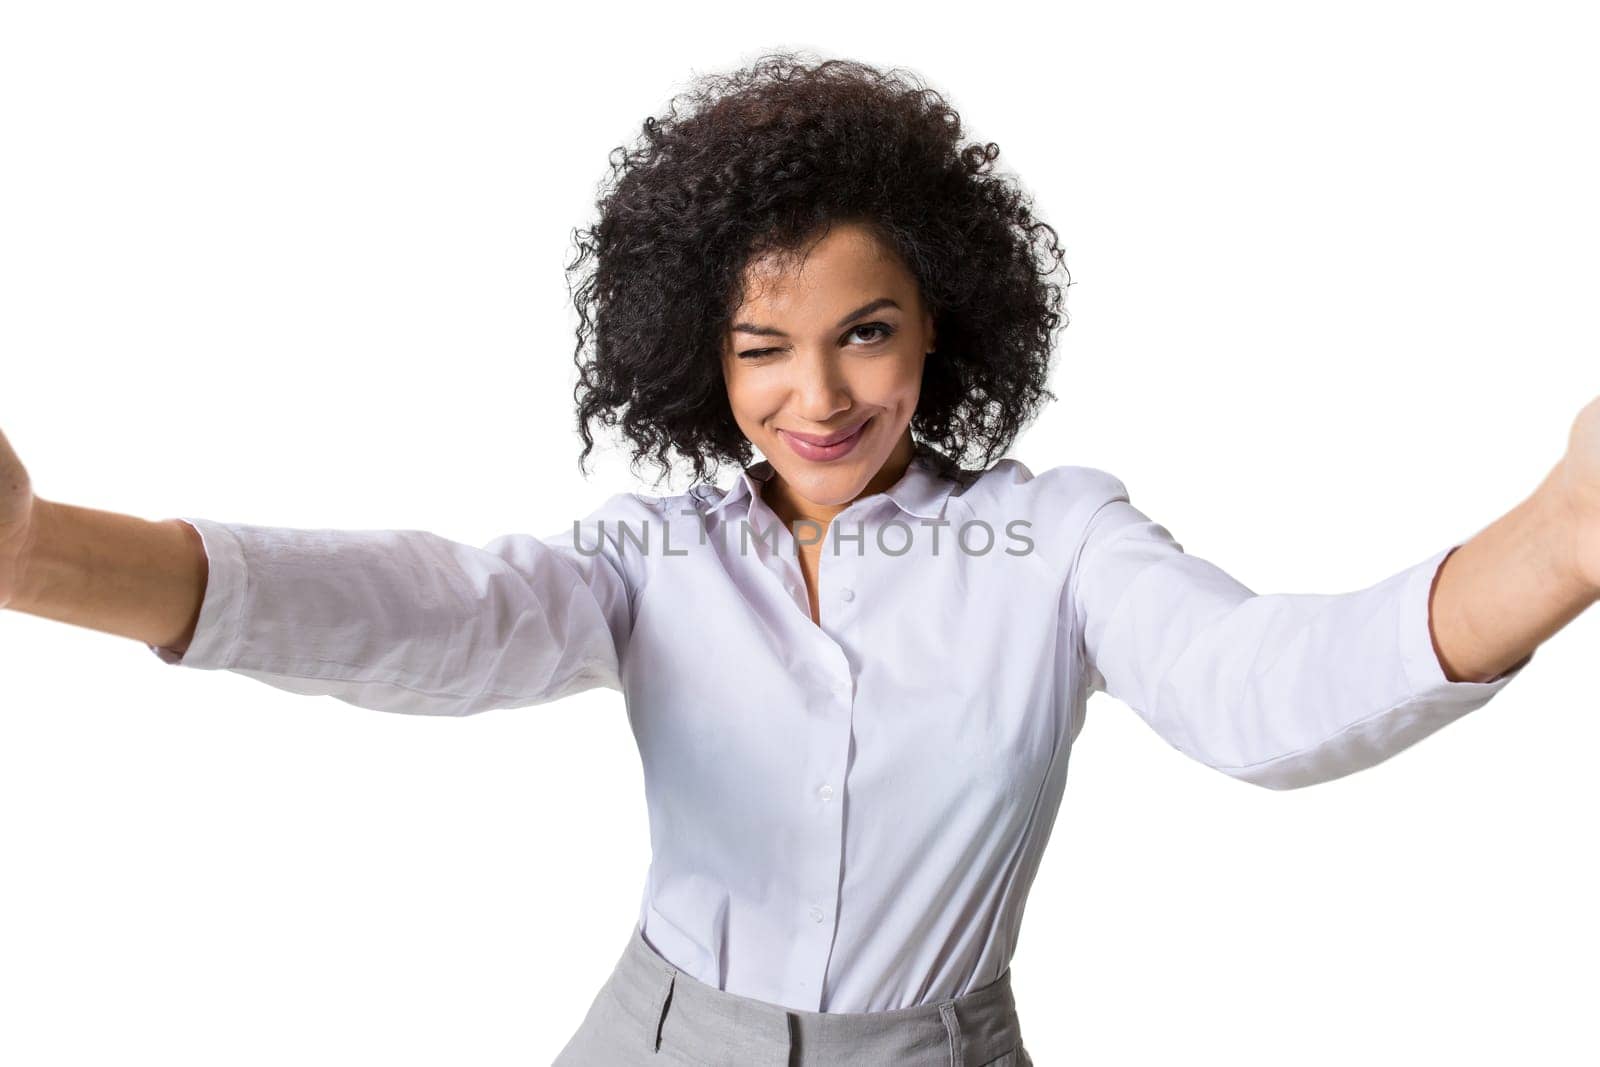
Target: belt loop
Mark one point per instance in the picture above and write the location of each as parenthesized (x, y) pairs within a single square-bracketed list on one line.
[(658, 1010), (952, 1026)]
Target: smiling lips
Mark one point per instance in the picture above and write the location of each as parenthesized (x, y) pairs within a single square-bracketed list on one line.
[(831, 446)]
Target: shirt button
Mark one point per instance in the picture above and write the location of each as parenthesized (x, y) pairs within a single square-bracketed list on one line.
[(816, 914), (826, 792), (847, 594)]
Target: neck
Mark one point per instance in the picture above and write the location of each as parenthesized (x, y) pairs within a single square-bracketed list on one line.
[(791, 507)]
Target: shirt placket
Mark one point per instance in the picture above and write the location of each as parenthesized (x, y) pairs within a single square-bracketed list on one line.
[(825, 754)]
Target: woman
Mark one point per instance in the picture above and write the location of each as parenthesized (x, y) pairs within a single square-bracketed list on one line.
[(855, 673)]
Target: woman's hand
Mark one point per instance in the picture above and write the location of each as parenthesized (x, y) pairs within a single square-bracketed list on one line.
[(18, 506), (1577, 478)]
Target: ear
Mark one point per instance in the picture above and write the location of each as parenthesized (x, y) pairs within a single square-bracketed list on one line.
[(927, 328)]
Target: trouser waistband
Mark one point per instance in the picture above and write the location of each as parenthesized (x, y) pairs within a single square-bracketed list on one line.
[(675, 1009)]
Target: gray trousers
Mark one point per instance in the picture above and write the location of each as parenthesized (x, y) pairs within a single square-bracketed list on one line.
[(648, 1012)]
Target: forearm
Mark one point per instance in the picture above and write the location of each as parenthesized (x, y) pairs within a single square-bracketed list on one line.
[(1504, 592), (119, 574)]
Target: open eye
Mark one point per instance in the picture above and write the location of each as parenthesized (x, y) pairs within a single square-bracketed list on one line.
[(885, 330)]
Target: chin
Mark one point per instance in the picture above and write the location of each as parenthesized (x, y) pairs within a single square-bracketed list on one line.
[(833, 484)]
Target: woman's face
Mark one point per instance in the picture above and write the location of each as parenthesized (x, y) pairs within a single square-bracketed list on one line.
[(830, 347)]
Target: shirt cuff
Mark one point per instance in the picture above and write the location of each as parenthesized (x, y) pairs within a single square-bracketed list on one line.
[(1424, 673), (217, 631)]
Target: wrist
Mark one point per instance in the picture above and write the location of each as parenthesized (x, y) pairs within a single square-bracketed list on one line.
[(23, 551), (1572, 523)]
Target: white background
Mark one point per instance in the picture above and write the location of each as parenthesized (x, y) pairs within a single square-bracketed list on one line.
[(301, 264)]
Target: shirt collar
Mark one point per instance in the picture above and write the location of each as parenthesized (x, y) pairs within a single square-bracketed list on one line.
[(921, 490)]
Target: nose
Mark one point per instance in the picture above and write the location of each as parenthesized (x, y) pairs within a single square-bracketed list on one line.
[(819, 389)]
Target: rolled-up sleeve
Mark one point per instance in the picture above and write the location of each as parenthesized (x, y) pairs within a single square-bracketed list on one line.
[(409, 621), (1281, 689)]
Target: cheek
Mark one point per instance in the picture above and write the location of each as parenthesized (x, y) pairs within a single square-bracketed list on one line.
[(751, 398), (895, 383)]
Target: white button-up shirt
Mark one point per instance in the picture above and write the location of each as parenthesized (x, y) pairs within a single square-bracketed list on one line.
[(845, 816)]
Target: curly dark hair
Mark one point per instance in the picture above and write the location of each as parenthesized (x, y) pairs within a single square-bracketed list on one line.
[(759, 161)]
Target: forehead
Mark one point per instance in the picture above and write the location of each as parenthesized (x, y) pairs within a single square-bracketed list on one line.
[(847, 260)]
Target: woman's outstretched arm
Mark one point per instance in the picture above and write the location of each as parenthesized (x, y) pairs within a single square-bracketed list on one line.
[(1291, 689), (392, 620), (1529, 573)]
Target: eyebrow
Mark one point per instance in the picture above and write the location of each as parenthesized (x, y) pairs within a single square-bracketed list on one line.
[(773, 331)]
